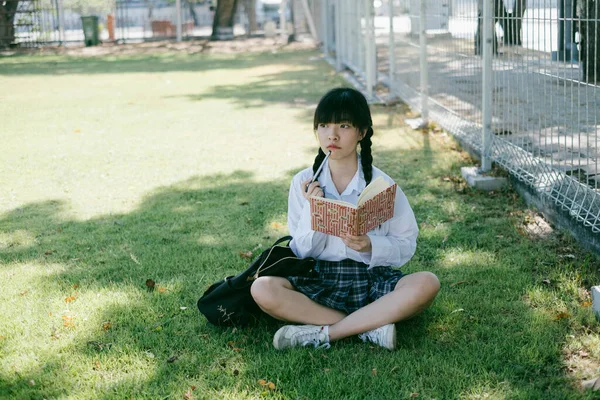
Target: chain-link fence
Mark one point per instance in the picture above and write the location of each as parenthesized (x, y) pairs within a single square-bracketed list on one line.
[(541, 121), (34, 23)]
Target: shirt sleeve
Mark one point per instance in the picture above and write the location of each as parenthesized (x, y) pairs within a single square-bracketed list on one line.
[(305, 242), (395, 242)]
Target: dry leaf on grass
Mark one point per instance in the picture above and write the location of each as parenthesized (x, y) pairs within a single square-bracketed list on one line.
[(561, 315), (245, 254), (276, 225), (69, 299)]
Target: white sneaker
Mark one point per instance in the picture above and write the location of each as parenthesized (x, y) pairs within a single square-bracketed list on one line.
[(384, 336), (301, 335)]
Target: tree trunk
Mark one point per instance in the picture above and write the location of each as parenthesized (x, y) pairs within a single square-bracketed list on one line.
[(7, 19), (589, 12), (224, 19)]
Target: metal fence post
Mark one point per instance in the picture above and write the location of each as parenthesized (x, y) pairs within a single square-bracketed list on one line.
[(338, 34), (282, 21), (392, 45), (486, 89), (61, 22), (178, 19), (369, 47), (324, 26), (423, 62)]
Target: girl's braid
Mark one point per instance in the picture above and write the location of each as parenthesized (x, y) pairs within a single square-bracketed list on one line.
[(318, 160), (366, 158)]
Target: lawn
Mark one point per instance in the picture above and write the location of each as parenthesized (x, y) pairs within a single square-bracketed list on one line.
[(170, 166)]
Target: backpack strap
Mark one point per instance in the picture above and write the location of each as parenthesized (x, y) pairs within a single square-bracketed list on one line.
[(283, 239)]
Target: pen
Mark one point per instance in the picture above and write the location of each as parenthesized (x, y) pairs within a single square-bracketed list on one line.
[(316, 175)]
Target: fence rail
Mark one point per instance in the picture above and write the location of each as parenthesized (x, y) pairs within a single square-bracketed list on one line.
[(544, 88)]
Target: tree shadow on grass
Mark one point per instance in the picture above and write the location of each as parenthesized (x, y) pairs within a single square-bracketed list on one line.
[(479, 337), (153, 63)]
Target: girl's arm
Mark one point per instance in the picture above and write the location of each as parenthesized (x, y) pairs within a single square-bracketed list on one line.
[(306, 242), (395, 242)]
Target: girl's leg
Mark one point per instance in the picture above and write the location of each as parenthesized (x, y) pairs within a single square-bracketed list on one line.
[(276, 296), (412, 294)]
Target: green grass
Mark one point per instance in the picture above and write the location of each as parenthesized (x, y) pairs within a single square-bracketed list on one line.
[(120, 169)]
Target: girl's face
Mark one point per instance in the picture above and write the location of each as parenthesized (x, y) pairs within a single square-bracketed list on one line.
[(341, 138)]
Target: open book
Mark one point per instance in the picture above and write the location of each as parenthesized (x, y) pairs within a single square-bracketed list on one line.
[(335, 217)]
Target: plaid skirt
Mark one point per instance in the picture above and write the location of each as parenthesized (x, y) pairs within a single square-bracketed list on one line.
[(346, 285)]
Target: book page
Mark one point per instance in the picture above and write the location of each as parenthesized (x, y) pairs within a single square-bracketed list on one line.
[(333, 201), (376, 186)]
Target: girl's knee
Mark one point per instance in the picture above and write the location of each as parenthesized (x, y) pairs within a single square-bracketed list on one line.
[(430, 283), (263, 291)]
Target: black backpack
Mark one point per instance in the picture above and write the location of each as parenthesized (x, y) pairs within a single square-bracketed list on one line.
[(228, 302)]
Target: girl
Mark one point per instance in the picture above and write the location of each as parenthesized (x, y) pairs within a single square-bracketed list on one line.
[(354, 290)]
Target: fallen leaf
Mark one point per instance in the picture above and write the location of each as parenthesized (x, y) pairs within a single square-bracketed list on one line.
[(245, 254), (96, 366), (374, 371), (68, 321), (586, 304), (236, 349), (69, 299), (75, 285), (188, 395), (2, 337), (150, 284), (561, 315), (326, 369), (106, 325), (413, 395), (276, 225), (583, 354), (77, 130), (271, 386), (262, 382), (48, 252), (24, 292), (31, 382), (162, 289)]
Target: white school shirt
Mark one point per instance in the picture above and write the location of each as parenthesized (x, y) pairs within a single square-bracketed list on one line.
[(393, 243)]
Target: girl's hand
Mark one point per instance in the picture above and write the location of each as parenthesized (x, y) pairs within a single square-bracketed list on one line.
[(362, 244), (313, 190)]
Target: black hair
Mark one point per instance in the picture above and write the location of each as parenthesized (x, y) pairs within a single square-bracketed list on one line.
[(347, 105)]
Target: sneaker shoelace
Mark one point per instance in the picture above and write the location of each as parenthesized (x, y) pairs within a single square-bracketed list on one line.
[(310, 339), (374, 336)]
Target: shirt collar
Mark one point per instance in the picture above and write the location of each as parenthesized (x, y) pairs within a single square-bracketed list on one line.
[(357, 184)]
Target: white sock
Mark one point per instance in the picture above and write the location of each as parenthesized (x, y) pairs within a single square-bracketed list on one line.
[(325, 329)]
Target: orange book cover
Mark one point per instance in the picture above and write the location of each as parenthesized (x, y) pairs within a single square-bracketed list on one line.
[(334, 217)]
